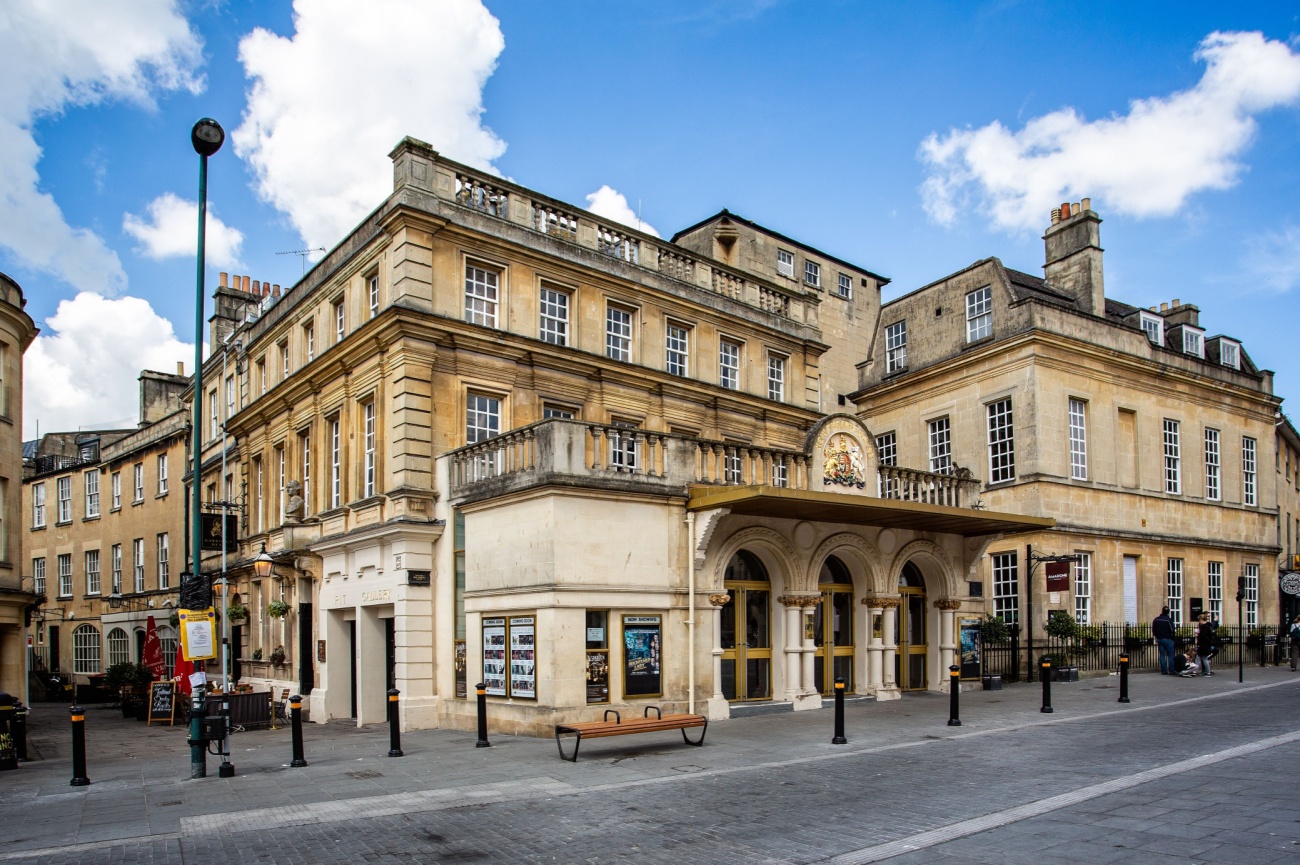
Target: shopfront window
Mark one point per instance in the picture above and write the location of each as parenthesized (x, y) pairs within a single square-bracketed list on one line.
[(597, 656)]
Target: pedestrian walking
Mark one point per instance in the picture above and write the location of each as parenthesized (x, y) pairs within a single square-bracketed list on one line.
[(1295, 642), (1207, 644), (1162, 628)]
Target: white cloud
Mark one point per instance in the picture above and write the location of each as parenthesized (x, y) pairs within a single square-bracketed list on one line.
[(70, 54), (1145, 163), (63, 391), (169, 231), (327, 105), (611, 204), (1274, 260)]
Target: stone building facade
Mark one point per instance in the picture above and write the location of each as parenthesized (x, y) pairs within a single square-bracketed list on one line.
[(1144, 436), (17, 330)]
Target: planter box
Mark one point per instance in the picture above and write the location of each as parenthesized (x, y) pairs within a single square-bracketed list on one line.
[(992, 683)]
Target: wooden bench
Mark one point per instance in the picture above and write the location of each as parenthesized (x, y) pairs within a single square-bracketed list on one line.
[(619, 727)]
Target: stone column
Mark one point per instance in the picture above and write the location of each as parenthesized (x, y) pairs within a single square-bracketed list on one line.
[(947, 608), (811, 687), (875, 645), (889, 689), (719, 708), (800, 689)]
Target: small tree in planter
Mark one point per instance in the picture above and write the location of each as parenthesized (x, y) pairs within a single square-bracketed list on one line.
[(1062, 626), (120, 679), (277, 609), (277, 655), (993, 630)]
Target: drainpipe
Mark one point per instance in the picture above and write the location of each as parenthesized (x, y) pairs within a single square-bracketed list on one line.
[(690, 616)]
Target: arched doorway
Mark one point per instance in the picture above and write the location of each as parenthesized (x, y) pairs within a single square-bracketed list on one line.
[(747, 630), (910, 626), (833, 627)]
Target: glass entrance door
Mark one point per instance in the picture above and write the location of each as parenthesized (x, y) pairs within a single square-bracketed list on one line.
[(747, 642), (909, 625), (833, 628)]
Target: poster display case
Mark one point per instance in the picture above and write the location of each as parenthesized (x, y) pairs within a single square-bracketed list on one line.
[(642, 654)]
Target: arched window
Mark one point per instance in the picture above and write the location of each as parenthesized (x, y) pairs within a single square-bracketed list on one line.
[(85, 649), (167, 637), (911, 576), (119, 647), (745, 567), (833, 571)]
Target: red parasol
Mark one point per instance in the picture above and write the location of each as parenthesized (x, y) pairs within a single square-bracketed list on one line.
[(183, 670), (153, 658)]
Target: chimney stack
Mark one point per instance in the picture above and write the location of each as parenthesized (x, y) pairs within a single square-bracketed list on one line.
[(1074, 255)]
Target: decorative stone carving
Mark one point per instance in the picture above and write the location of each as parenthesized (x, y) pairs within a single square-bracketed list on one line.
[(719, 600), (293, 508), (799, 600), (947, 604), (842, 462), (883, 602)]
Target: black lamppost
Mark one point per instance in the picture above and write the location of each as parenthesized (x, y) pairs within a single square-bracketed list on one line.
[(207, 137), (1034, 561)]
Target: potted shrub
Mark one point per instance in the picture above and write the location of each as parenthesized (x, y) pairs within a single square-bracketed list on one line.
[(1062, 625), (257, 654), (119, 680), (277, 609), (994, 630), (237, 613), (277, 655)]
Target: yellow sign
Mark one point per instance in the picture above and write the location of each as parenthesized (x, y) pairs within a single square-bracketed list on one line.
[(198, 634)]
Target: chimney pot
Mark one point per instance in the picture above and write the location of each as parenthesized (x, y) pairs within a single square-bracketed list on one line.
[(1056, 215), (1177, 302), (234, 282), (1085, 203), (247, 287), (257, 286), (1065, 210), (180, 367), (275, 290), (1077, 209), (1164, 307), (223, 276)]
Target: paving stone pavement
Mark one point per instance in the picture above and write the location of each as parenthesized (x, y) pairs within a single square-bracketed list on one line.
[(907, 788)]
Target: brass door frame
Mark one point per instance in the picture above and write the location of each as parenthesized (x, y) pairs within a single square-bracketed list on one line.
[(906, 648), (742, 652), (827, 685)]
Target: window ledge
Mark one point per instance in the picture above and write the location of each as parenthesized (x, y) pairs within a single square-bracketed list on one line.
[(90, 519), (39, 528), (161, 495)]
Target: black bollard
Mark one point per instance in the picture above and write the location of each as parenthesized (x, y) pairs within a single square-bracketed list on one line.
[(839, 713), (79, 778), (481, 689), (1045, 671), (20, 732), (394, 732), (954, 695), (198, 731), (295, 721), (1123, 678)]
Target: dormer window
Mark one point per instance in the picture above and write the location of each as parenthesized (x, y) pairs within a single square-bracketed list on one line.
[(1154, 326), (1193, 341), (784, 262), (1230, 354)]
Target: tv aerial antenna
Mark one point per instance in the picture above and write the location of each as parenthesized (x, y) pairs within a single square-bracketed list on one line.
[(303, 253)]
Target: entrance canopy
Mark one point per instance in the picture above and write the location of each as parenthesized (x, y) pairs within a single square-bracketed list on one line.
[(817, 506)]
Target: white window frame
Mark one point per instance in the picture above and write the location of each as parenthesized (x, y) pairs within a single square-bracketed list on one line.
[(896, 347), (137, 565), (1174, 590), (553, 325), (1249, 469), (214, 414), (785, 263), (259, 481), (116, 573), (38, 575), (1214, 589), (1078, 413), (229, 385), (63, 493), (340, 321), (85, 650), (677, 349), (92, 493), (776, 377), (979, 313), (119, 646), (482, 294), (1213, 468), (623, 446), (780, 470), (887, 452), (1001, 441), (618, 333), (1172, 431), (63, 563), (940, 435), (1193, 341), (844, 286), (1083, 587), (309, 341), (284, 360), (336, 469), (304, 447), (38, 506), (368, 482), (1251, 601), (1230, 353), (1006, 586), (164, 561), (138, 477), (162, 474), (729, 364), (1153, 326), (117, 490), (812, 273), (372, 293)]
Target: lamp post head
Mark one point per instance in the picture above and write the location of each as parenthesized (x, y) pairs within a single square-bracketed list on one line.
[(263, 564), (115, 601), (207, 137)]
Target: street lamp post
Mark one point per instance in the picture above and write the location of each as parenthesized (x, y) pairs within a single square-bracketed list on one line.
[(1034, 561), (207, 137)]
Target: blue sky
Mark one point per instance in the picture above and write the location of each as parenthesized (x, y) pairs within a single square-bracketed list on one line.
[(910, 138)]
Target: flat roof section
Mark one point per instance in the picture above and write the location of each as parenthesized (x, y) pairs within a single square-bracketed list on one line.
[(785, 503)]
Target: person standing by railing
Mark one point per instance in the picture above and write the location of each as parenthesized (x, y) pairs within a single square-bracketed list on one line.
[(1162, 628), (1207, 644)]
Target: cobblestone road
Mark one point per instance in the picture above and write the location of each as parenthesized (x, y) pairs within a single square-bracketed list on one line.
[(1192, 778)]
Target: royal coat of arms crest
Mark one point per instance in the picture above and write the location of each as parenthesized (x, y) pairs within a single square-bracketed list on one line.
[(842, 462)]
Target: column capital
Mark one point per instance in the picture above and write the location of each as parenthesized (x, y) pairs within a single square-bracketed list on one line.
[(720, 600), (799, 600), (882, 602), (947, 604)]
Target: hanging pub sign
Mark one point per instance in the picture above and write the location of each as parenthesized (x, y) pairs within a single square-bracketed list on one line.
[(214, 538), (642, 648), (494, 657), (1058, 576)]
